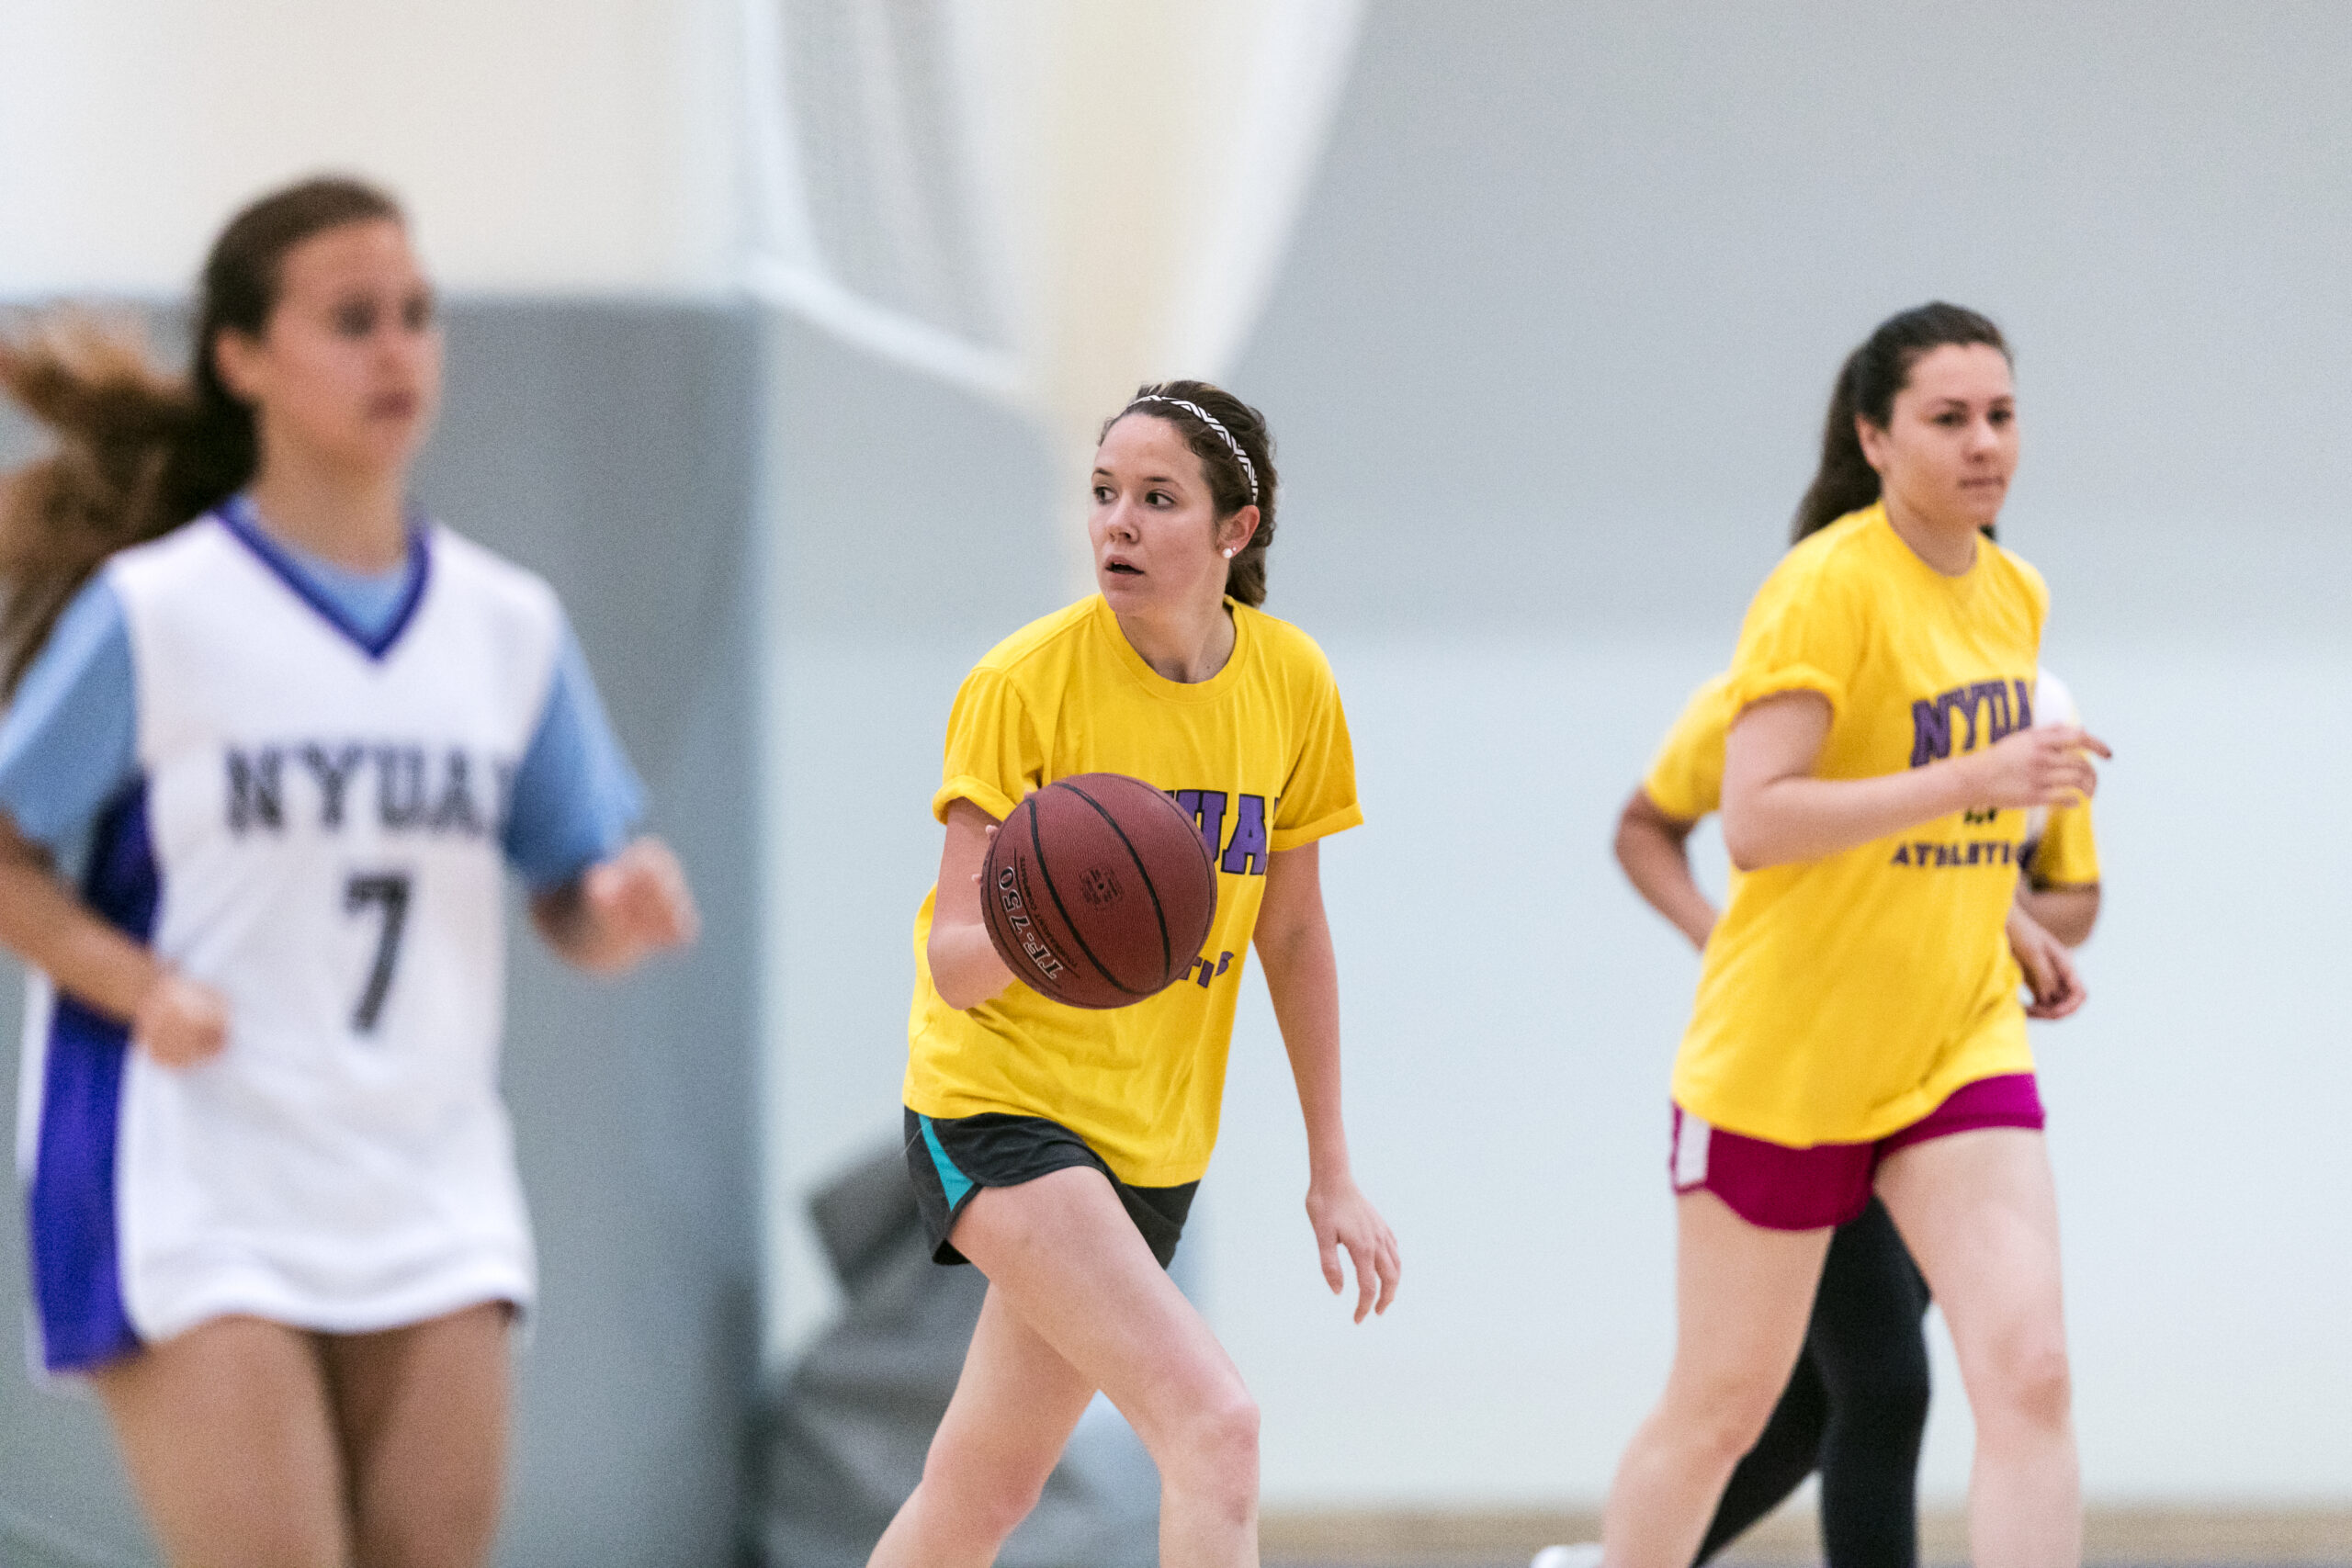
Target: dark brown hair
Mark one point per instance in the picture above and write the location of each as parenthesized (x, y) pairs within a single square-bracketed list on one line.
[(1867, 384), (1230, 486), (139, 451)]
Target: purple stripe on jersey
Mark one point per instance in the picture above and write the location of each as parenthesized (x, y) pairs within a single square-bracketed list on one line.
[(70, 1213), (236, 516)]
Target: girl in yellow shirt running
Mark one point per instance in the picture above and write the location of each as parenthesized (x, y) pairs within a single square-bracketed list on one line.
[(1858, 1026), (1057, 1148)]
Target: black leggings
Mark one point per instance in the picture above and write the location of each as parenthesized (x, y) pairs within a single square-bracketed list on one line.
[(1854, 1409)]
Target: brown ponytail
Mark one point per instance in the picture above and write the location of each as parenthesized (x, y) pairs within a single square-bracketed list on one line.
[(1230, 481), (1867, 384), (137, 451)]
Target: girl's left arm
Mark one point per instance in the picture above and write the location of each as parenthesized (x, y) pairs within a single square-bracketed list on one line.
[(620, 911), (1294, 941)]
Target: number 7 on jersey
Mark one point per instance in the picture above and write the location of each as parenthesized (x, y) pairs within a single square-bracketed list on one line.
[(390, 890)]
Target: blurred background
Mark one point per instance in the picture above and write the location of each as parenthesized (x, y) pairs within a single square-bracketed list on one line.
[(773, 330)]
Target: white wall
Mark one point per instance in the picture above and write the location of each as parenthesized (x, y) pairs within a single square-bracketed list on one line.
[(544, 146)]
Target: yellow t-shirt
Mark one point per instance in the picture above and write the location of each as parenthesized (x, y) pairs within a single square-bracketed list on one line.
[(1686, 781), (2066, 855), (1686, 777), (1258, 753), (1842, 999)]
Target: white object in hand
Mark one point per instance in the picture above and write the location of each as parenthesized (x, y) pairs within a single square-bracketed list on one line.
[(2053, 705)]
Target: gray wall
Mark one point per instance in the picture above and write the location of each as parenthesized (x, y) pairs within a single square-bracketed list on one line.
[(1547, 366), (611, 447)]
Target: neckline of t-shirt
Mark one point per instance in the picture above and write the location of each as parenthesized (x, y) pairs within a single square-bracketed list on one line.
[(1106, 622), (1958, 584), (292, 565)]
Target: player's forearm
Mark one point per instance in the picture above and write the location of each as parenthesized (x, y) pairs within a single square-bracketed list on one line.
[(2066, 913), (1658, 865), (1800, 818), (1302, 977), (964, 968), (43, 923)]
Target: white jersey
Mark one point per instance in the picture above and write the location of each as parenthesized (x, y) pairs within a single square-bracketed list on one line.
[(316, 835)]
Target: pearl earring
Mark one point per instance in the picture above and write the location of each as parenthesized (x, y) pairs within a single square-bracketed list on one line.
[(1228, 552)]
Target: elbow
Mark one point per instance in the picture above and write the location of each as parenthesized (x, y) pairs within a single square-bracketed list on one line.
[(1747, 848), (1755, 836), (944, 976), (957, 981), (2075, 929), (1623, 841), (962, 997), (1644, 833)]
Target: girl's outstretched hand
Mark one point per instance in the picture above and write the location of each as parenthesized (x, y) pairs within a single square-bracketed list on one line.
[(1343, 1217), (180, 1023), (622, 911)]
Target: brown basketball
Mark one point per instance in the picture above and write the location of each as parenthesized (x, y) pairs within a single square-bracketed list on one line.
[(1098, 891)]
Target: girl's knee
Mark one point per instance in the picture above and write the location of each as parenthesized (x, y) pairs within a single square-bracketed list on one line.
[(1213, 1449), (1229, 1430), (1721, 1421), (2028, 1381)]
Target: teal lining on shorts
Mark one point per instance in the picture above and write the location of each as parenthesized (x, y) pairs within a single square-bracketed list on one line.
[(951, 1180)]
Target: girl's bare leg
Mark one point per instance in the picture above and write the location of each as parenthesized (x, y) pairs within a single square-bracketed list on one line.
[(227, 1435), (1742, 1298), (1981, 1214), (1076, 1303), (421, 1417), (1013, 1411)]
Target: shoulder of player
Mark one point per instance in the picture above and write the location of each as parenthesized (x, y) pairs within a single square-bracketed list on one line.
[(2022, 573), (193, 547), (477, 567), (492, 591), (1838, 561), (1039, 645), (1710, 694), (1706, 713), (1282, 645)]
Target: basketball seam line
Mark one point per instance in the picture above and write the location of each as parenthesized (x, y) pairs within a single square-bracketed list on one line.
[(1045, 874), (1167, 949)]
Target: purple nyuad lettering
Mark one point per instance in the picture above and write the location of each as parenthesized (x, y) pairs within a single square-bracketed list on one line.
[(2007, 707), (1246, 855), (1206, 809)]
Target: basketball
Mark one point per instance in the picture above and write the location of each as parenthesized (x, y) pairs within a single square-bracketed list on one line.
[(1098, 891)]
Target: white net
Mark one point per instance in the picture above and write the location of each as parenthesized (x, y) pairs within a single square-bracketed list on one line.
[(865, 218), (1046, 200)]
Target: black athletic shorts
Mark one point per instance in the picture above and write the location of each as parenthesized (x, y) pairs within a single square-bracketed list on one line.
[(951, 1157)]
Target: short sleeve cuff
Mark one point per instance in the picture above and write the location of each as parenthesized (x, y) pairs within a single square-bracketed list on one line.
[(1281, 839), (1670, 801), (2050, 873), (979, 791), (1753, 688)]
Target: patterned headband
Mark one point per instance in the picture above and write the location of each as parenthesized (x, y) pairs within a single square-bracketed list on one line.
[(1248, 468)]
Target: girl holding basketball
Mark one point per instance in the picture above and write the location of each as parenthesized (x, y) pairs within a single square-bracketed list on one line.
[(1058, 1148), (290, 730), (1857, 1028)]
